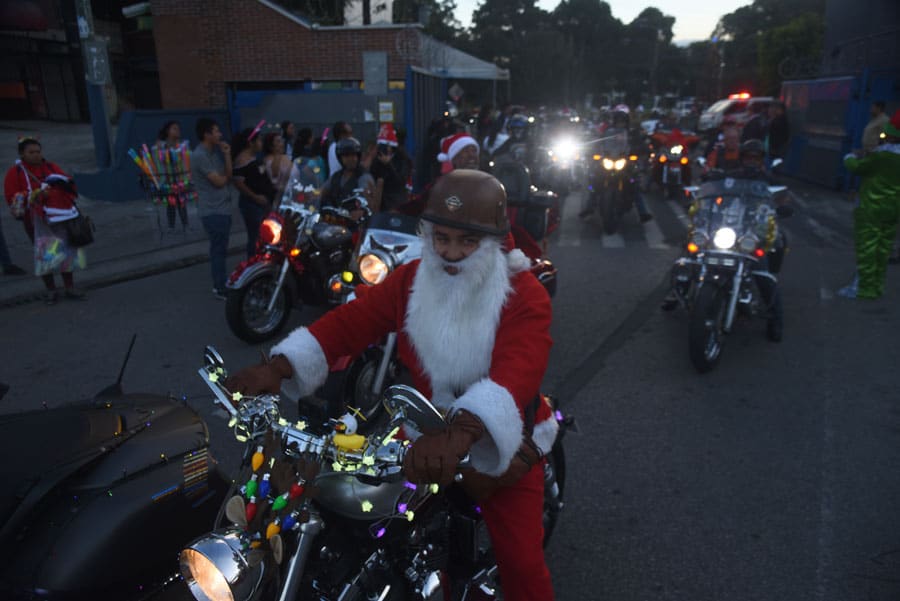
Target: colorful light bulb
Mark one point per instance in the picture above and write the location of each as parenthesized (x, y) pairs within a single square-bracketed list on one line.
[(251, 509), (273, 528), (280, 503), (297, 488), (264, 487), (290, 521), (257, 460), (251, 487)]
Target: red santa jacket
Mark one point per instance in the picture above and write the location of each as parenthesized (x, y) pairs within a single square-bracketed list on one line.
[(23, 178), (493, 369)]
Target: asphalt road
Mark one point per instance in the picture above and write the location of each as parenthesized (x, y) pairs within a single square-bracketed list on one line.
[(773, 477)]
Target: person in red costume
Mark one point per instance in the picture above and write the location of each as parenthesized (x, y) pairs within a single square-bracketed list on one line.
[(474, 330), (33, 173)]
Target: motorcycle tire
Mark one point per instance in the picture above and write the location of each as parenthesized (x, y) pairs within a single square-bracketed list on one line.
[(245, 309), (349, 388), (706, 333), (610, 212)]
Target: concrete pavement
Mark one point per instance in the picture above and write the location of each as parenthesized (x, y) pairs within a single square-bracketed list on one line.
[(132, 238)]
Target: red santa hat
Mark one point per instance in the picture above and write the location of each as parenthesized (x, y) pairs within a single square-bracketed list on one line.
[(451, 145), (387, 135)]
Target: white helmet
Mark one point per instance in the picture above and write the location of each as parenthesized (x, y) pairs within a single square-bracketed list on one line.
[(623, 108)]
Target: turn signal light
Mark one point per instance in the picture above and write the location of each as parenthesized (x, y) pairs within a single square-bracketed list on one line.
[(632, 157), (597, 157), (759, 253), (662, 158), (295, 252), (718, 200), (684, 160), (692, 248), (336, 286)]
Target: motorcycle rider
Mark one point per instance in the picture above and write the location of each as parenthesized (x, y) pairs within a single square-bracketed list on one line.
[(752, 166), (473, 326), (622, 144), (352, 175), (726, 156)]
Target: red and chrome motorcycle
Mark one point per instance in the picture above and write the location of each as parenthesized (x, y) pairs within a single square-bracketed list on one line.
[(300, 248)]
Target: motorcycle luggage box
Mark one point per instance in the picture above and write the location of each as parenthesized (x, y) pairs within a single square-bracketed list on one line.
[(112, 493)]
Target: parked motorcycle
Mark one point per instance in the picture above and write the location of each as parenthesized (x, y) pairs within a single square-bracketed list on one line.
[(733, 229), (325, 513), (300, 248), (88, 484)]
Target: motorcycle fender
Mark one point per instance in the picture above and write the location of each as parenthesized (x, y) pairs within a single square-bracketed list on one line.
[(248, 270)]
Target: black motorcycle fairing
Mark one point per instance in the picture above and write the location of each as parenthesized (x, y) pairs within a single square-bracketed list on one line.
[(397, 222), (117, 476)]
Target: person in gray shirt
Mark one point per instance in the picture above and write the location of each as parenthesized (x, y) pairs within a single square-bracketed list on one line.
[(211, 174)]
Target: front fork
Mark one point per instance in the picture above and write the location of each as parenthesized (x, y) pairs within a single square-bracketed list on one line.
[(279, 284), (386, 356), (735, 294)]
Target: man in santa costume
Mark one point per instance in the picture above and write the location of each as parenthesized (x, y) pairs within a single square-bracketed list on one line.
[(459, 151), (474, 330)]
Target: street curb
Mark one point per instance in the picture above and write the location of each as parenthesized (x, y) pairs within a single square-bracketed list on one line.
[(127, 275)]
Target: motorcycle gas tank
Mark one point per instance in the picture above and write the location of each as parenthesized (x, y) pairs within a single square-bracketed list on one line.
[(132, 473), (344, 494), (327, 236)]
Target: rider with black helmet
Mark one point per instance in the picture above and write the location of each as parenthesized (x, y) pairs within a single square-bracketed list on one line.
[(352, 175)]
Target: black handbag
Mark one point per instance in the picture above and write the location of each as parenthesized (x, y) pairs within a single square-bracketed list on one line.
[(80, 230)]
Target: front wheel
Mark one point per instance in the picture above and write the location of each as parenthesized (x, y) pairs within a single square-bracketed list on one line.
[(554, 487), (610, 211), (706, 332), (245, 309)]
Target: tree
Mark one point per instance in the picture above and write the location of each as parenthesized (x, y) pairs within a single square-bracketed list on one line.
[(798, 43), (441, 22)]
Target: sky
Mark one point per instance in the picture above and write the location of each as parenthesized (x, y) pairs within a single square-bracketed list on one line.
[(694, 19)]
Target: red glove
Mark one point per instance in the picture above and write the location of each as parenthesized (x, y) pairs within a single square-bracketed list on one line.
[(434, 457)]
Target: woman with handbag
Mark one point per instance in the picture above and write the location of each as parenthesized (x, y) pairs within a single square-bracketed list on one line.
[(42, 197)]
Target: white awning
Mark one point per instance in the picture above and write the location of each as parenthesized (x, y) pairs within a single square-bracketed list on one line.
[(444, 60)]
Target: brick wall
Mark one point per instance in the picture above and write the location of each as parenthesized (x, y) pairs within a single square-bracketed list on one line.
[(202, 45)]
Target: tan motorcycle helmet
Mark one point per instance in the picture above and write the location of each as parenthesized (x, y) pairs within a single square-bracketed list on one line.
[(469, 200)]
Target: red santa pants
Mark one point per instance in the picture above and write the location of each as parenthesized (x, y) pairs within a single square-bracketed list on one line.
[(514, 517)]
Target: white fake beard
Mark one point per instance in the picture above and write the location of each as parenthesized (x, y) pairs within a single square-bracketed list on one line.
[(452, 319)]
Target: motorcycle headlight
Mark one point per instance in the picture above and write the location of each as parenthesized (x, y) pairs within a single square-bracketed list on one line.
[(374, 267), (748, 243), (620, 164), (270, 231), (565, 149), (724, 238), (608, 164), (215, 568), (677, 149)]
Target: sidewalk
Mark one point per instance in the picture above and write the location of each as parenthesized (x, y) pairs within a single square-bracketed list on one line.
[(132, 238)]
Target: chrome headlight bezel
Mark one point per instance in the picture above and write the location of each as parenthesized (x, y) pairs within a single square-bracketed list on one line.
[(747, 243), (724, 238), (374, 266), (223, 553)]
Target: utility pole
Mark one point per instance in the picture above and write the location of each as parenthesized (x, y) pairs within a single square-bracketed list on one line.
[(95, 56)]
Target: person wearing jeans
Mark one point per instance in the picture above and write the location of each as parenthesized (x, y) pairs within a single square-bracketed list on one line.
[(212, 175)]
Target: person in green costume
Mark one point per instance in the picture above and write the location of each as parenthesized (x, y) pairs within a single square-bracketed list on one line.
[(875, 219)]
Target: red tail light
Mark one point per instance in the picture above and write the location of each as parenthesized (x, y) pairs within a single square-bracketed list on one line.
[(759, 253)]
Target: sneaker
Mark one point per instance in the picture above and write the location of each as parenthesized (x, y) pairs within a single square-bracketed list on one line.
[(74, 294), (645, 217), (13, 270), (220, 294), (50, 297)]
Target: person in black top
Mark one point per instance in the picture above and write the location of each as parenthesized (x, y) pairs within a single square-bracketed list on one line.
[(756, 128), (352, 175), (779, 131), (392, 166), (253, 183)]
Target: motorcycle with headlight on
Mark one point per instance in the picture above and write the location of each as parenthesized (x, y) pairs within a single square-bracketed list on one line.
[(300, 248), (319, 511), (562, 167), (671, 162), (733, 230), (612, 186)]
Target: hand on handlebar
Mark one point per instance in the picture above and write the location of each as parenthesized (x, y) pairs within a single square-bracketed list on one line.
[(434, 457), (265, 377)]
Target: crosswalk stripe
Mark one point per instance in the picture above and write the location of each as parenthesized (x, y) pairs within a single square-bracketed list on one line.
[(654, 235), (613, 241)]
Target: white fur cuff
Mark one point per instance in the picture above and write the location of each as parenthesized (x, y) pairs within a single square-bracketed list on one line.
[(307, 360), (544, 434), (517, 261), (497, 410)]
